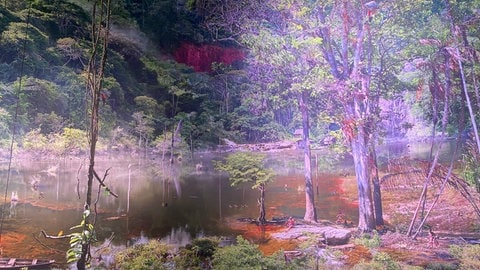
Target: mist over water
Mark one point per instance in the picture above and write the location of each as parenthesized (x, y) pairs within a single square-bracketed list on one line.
[(175, 203)]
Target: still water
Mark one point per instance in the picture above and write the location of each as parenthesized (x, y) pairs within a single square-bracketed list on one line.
[(174, 203)]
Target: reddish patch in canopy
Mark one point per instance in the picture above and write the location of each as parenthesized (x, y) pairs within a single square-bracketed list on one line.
[(201, 57)]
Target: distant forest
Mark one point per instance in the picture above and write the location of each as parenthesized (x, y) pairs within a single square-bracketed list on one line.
[(189, 72)]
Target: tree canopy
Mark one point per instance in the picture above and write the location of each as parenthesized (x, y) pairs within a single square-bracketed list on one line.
[(290, 48)]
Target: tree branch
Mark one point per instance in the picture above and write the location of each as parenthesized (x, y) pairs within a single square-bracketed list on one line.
[(55, 237), (102, 184)]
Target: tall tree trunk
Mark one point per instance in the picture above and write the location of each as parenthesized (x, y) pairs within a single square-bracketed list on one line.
[(359, 145), (310, 211), (366, 222), (95, 74), (377, 194), (261, 217)]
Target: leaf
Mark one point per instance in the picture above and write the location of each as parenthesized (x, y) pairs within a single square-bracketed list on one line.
[(74, 239)]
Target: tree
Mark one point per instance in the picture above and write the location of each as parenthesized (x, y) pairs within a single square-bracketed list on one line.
[(284, 65), (143, 126), (328, 40), (248, 168), (101, 11)]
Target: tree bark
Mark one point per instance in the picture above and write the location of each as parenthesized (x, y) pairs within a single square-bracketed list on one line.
[(95, 74), (377, 194), (346, 67), (310, 211), (261, 217), (366, 221)]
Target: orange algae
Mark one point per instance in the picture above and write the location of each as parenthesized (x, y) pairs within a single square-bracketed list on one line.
[(357, 254), (274, 245)]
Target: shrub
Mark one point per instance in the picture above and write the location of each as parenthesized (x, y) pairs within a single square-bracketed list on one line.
[(152, 255), (49, 122), (244, 255), (196, 255), (368, 240), (34, 140), (380, 261), (72, 140)]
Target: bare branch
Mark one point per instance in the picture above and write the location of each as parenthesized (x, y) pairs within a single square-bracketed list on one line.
[(102, 180), (55, 236)]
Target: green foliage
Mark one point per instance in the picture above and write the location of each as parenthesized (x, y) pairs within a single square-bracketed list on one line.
[(34, 140), (39, 97), (49, 122), (25, 47), (72, 140), (60, 18), (245, 167), (260, 127), (18, 34), (68, 141), (151, 255), (368, 240), (245, 255), (143, 127), (380, 261), (165, 21), (149, 106), (108, 120), (72, 87), (468, 255), (70, 49), (121, 139), (5, 119), (196, 254), (470, 161), (254, 104), (79, 239)]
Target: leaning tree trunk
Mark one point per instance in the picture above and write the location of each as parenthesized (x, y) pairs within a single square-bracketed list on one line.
[(310, 211), (261, 218), (458, 57)]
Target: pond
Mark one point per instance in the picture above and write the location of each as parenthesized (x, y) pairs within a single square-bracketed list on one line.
[(175, 203)]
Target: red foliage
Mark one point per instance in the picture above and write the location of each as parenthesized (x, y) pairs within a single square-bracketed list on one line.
[(201, 57)]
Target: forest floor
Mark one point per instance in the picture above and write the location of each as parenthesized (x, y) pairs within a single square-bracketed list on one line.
[(452, 220)]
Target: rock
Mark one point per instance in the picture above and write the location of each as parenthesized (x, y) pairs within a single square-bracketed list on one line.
[(336, 236), (330, 234)]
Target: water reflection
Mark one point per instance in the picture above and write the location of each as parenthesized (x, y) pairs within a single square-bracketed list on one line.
[(13, 204), (175, 203)]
